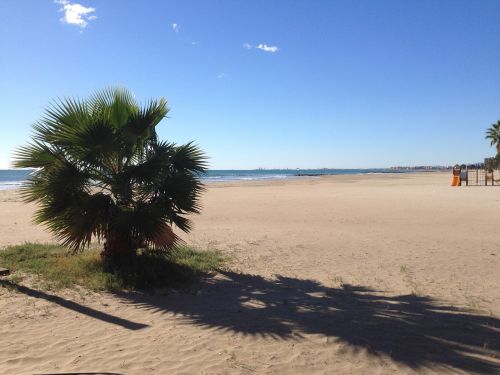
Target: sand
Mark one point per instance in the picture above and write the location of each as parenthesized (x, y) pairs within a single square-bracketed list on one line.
[(374, 274)]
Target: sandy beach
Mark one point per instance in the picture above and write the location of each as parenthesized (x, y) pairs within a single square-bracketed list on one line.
[(365, 274)]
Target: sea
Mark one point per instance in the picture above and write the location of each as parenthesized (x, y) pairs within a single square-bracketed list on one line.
[(14, 178)]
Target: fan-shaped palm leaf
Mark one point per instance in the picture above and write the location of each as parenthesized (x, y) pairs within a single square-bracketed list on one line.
[(493, 135)]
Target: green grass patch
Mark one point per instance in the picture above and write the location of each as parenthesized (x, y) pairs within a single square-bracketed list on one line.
[(57, 268)]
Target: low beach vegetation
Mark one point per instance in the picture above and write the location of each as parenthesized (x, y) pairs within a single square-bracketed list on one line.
[(56, 267)]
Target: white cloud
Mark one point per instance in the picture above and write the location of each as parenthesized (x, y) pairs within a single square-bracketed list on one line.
[(176, 27), (76, 14), (266, 48), (262, 47), (222, 75)]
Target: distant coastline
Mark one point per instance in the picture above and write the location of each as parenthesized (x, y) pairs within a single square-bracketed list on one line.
[(423, 168)]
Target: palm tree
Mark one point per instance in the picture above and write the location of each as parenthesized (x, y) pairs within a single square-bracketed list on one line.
[(102, 173), (493, 134)]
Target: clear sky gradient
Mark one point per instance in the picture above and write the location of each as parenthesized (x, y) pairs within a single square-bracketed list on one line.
[(309, 84)]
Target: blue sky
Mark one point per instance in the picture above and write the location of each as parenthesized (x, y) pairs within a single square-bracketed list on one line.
[(287, 84)]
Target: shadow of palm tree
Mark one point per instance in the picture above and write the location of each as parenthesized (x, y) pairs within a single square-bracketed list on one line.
[(71, 305), (416, 331)]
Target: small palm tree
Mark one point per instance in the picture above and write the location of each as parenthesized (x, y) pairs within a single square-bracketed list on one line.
[(493, 135), (102, 173)]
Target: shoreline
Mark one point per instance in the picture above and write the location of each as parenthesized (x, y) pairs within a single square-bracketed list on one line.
[(16, 184), (333, 178)]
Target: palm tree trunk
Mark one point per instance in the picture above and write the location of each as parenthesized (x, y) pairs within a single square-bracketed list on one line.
[(118, 249)]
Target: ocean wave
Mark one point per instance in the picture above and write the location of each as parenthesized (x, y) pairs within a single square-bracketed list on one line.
[(236, 177), (9, 185)]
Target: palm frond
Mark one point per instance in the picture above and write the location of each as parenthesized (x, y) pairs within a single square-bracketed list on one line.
[(493, 134), (190, 158)]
